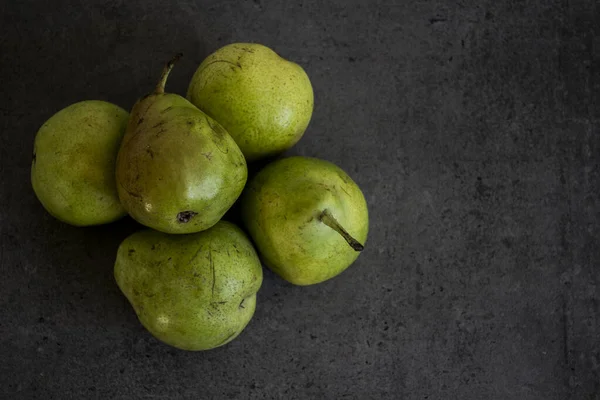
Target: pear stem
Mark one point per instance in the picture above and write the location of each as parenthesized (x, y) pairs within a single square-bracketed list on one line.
[(160, 87), (327, 218)]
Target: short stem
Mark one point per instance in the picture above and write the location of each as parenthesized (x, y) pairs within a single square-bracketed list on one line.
[(160, 87), (327, 218)]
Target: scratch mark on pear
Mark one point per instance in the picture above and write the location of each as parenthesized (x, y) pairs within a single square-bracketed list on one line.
[(221, 61), (133, 194), (212, 267), (196, 254), (228, 338)]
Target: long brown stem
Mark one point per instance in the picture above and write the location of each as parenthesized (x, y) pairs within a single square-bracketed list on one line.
[(160, 87), (327, 218)]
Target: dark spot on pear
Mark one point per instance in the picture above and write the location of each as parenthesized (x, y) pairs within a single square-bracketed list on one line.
[(131, 251), (150, 153), (185, 216), (140, 121), (153, 247), (166, 109), (242, 304)]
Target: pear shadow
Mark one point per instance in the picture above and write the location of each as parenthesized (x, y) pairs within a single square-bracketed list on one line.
[(234, 213), (84, 259)]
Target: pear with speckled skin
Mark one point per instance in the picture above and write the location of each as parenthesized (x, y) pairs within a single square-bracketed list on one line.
[(193, 292), (178, 170), (263, 100), (73, 167), (307, 217)]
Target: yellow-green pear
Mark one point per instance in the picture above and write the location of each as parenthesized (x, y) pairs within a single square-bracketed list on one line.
[(307, 217), (178, 170), (264, 101), (73, 167), (193, 292)]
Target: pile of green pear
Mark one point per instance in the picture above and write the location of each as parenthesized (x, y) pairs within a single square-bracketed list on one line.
[(177, 164)]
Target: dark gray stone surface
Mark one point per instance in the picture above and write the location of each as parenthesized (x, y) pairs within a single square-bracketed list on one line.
[(472, 127)]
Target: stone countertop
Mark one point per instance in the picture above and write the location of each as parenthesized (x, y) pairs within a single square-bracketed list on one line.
[(472, 128)]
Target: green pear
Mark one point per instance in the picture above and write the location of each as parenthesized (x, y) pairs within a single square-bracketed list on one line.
[(73, 167), (307, 217), (193, 292), (264, 101), (178, 170)]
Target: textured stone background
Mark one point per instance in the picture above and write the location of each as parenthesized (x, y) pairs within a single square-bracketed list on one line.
[(472, 127)]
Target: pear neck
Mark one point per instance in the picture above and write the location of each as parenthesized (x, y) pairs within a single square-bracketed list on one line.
[(328, 219), (160, 87)]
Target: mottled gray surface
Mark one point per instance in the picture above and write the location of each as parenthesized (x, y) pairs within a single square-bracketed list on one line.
[(472, 127)]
